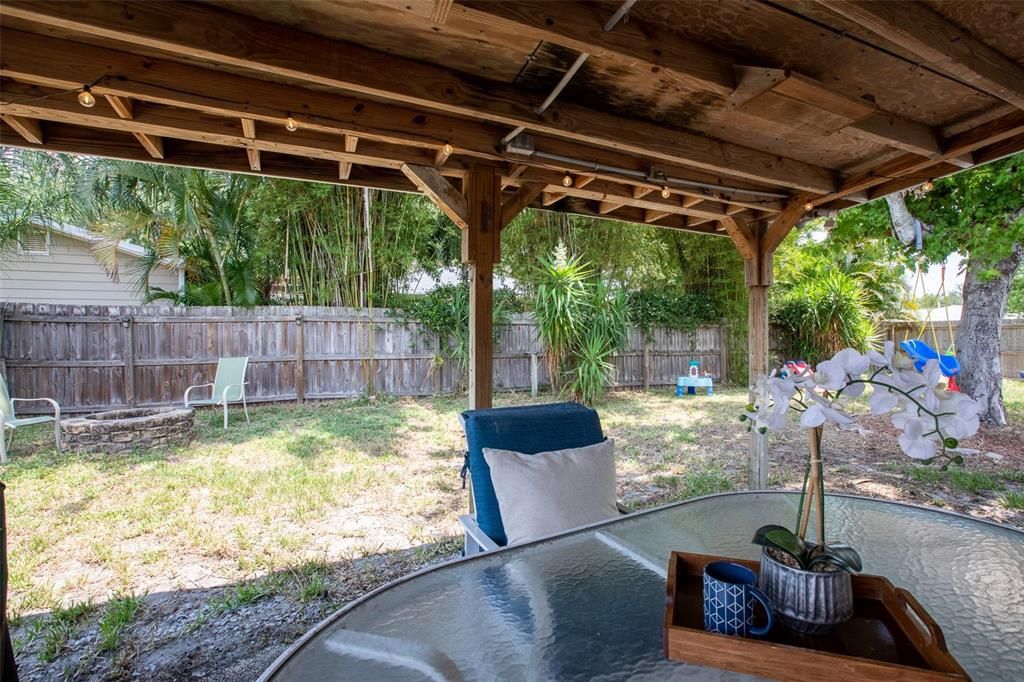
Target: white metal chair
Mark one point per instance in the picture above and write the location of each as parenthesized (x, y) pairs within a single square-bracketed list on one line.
[(228, 387), (9, 422)]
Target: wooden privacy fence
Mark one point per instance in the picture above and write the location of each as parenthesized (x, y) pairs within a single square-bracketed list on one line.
[(97, 357), (1011, 340)]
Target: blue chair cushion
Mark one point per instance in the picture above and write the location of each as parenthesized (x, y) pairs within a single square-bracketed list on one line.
[(529, 429)]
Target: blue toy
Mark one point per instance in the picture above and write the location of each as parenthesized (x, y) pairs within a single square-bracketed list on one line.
[(692, 380), (920, 352)]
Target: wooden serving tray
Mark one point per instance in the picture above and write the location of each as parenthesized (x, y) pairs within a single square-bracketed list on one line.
[(890, 637)]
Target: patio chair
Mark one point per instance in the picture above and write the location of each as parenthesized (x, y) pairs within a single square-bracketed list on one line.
[(9, 422), (228, 387), (529, 430)]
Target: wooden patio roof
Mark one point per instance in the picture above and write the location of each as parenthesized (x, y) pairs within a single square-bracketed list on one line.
[(718, 117)]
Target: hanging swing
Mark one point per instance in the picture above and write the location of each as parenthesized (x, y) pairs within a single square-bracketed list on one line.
[(919, 350)]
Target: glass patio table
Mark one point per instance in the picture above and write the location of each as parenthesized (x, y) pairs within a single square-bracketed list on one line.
[(589, 604)]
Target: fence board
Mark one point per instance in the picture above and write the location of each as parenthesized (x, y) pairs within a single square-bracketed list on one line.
[(79, 355)]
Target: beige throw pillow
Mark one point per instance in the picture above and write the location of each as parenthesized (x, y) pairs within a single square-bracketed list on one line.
[(550, 492)]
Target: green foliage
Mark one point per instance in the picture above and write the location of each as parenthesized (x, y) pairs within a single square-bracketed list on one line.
[(822, 314), (650, 308), (582, 321), (115, 619), (61, 626), (34, 187), (806, 554), (444, 313), (1015, 302)]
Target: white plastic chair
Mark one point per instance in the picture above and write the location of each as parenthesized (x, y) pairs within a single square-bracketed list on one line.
[(9, 422), (228, 387)]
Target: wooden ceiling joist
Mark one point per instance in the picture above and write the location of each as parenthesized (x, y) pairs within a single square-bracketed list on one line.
[(938, 42), (651, 216), (28, 128), (607, 206), (122, 106), (312, 59)]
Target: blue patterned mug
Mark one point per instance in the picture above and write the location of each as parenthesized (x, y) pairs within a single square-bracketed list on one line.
[(729, 595)]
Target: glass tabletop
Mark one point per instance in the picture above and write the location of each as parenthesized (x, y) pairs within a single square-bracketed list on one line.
[(590, 604)]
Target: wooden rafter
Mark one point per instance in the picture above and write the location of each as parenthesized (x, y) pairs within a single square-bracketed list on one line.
[(29, 129), (943, 45), (450, 200), (440, 11), (153, 144), (651, 216), (312, 59)]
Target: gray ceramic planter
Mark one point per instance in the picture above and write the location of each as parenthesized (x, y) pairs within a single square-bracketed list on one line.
[(808, 602)]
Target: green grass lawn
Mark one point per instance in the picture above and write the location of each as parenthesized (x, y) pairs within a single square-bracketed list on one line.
[(276, 505)]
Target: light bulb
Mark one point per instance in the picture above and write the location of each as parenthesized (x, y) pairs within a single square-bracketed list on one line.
[(86, 98), (291, 124), (447, 150), (567, 180), (808, 206), (928, 186), (665, 194)]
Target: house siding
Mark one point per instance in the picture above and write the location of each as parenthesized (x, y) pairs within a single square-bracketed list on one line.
[(71, 274)]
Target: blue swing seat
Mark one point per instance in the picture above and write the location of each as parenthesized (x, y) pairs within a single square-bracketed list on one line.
[(920, 352)]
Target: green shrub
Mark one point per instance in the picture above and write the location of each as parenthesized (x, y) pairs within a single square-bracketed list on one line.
[(820, 315)]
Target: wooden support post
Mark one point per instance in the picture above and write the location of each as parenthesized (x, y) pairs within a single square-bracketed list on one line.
[(757, 344), (723, 350), (128, 343), (481, 250), (300, 362)]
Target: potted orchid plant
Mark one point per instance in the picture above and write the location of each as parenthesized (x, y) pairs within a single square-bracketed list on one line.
[(809, 582)]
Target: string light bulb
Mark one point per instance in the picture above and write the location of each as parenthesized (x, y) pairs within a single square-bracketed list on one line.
[(665, 194), (928, 186), (567, 180), (291, 124), (86, 98), (808, 206)]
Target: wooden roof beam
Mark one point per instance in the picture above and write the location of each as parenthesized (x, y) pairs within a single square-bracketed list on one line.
[(118, 145), (450, 200), (948, 48), (154, 122), (654, 216), (308, 58), (992, 132), (439, 15), (29, 129)]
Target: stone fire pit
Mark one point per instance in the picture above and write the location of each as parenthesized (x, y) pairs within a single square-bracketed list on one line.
[(132, 429)]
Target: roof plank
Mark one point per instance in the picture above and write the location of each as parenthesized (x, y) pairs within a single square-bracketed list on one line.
[(940, 43)]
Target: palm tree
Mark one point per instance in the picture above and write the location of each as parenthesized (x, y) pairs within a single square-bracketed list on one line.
[(182, 214)]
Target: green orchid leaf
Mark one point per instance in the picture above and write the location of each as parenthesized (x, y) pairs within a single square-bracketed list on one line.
[(783, 539), (842, 556)]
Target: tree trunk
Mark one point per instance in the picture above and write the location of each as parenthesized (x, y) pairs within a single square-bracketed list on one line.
[(977, 339)]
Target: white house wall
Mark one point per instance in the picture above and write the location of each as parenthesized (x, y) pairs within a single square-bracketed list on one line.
[(71, 274)]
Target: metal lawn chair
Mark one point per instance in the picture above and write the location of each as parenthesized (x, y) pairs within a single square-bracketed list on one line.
[(527, 429), (9, 422), (228, 387)]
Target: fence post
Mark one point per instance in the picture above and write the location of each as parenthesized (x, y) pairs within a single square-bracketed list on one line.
[(534, 378), (723, 351), (128, 343), (300, 362), (645, 362)]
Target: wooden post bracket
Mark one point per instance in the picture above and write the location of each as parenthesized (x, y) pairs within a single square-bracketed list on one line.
[(444, 195)]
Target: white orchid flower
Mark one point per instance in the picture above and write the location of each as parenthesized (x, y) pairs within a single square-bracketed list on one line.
[(883, 400), (829, 375), (852, 362), (822, 411), (914, 443), (883, 359)]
